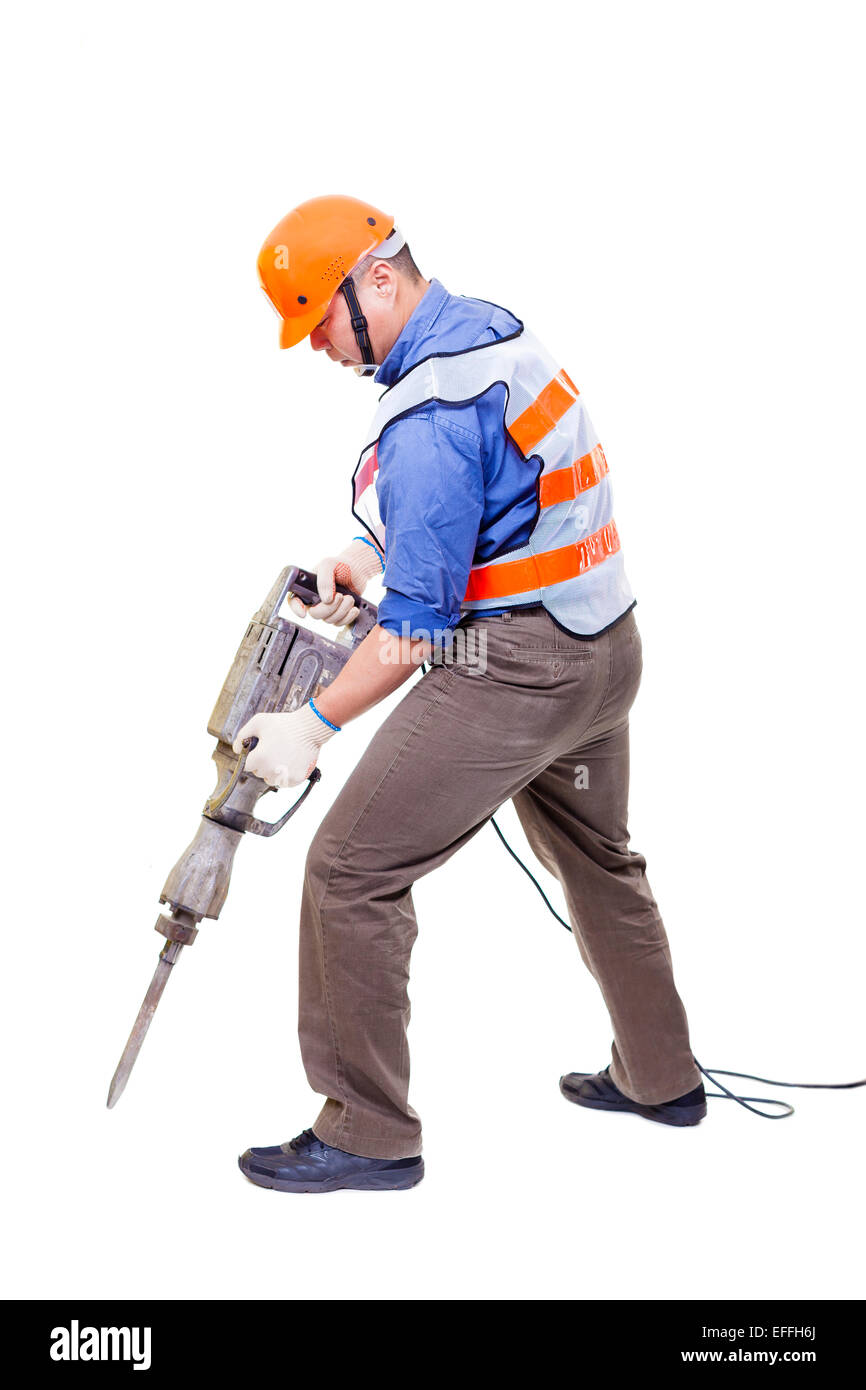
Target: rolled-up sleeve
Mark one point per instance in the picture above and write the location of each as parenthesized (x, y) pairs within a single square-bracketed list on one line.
[(430, 491)]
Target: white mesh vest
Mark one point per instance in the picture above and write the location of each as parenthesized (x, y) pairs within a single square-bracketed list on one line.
[(572, 562)]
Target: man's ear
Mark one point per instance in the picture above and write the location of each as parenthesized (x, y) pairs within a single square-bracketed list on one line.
[(384, 279)]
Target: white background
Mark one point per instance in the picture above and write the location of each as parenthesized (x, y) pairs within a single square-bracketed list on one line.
[(670, 196)]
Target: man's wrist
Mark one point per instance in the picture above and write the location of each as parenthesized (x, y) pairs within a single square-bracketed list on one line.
[(372, 546), (330, 725), (312, 728), (327, 724)]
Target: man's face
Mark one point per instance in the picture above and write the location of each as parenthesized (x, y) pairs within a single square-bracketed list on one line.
[(334, 333)]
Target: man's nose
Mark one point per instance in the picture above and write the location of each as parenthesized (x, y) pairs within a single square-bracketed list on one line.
[(318, 339)]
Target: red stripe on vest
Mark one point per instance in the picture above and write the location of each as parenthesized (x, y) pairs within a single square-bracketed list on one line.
[(367, 471)]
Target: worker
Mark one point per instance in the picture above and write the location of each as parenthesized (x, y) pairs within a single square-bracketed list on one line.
[(481, 498)]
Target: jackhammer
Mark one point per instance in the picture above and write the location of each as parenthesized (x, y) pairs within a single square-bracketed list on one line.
[(279, 665)]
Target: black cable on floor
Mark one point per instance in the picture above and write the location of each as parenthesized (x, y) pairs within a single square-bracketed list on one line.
[(725, 1094)]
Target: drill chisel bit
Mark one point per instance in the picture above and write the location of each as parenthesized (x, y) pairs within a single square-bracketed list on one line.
[(167, 958)]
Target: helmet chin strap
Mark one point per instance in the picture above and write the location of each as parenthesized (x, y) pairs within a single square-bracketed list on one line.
[(360, 328)]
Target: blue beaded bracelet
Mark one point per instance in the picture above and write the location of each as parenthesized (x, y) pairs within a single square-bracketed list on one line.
[(335, 727), (367, 541)]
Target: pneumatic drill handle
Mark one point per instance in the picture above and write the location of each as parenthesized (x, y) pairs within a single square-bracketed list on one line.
[(215, 802)]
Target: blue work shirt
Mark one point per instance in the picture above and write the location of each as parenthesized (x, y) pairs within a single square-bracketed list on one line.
[(452, 489)]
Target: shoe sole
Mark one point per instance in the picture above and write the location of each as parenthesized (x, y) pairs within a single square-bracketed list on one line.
[(680, 1116), (381, 1180)]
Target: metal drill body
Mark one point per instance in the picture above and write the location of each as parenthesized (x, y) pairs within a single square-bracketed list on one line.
[(278, 666)]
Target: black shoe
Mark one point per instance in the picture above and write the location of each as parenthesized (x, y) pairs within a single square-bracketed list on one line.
[(599, 1093), (305, 1164)]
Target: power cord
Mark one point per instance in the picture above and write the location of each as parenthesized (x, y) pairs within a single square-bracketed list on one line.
[(712, 1073)]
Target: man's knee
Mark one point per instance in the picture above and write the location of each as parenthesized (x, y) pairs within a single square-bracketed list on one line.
[(336, 872), (321, 857)]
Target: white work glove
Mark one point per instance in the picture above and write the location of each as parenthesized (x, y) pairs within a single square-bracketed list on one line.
[(355, 566), (288, 745)]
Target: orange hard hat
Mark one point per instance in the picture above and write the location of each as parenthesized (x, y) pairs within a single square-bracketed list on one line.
[(310, 252)]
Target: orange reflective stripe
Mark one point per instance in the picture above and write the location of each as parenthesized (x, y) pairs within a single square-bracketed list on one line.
[(565, 483), (539, 418), (539, 571)]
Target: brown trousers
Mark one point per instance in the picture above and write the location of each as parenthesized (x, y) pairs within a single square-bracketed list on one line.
[(544, 722)]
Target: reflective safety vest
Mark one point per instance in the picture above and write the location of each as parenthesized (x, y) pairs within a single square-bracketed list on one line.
[(572, 562)]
